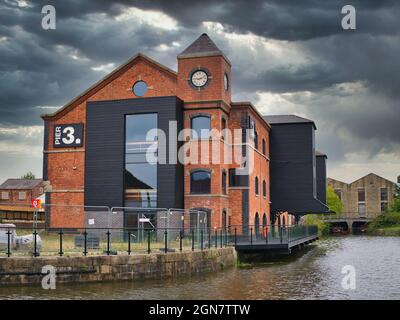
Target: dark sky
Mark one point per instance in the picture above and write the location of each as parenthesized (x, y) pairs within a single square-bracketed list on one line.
[(287, 57)]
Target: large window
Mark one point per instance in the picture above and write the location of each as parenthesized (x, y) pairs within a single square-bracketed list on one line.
[(361, 209), (361, 195), (140, 176), (361, 202), (384, 194), (200, 182), (201, 125)]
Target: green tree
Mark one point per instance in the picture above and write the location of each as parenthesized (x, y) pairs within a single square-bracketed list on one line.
[(395, 205), (29, 176), (334, 203)]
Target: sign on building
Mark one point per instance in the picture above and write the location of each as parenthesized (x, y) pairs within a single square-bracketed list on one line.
[(68, 135)]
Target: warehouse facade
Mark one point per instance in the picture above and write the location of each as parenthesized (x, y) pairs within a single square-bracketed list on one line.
[(96, 147)]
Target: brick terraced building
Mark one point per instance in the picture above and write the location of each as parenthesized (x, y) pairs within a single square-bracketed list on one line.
[(94, 146)]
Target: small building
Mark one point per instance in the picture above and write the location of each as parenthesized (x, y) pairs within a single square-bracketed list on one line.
[(16, 196), (366, 197)]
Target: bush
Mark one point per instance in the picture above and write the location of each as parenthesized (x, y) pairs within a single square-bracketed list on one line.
[(387, 219)]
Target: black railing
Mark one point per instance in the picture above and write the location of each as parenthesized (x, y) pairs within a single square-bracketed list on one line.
[(89, 241)]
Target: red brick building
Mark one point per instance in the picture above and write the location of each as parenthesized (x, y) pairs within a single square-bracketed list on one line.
[(91, 145)]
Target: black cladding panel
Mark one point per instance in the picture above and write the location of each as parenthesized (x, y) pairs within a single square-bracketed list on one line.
[(105, 150), (292, 169), (321, 178)]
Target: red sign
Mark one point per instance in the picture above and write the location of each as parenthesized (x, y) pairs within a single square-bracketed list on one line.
[(37, 203)]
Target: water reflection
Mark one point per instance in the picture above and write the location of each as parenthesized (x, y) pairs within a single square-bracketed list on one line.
[(314, 273)]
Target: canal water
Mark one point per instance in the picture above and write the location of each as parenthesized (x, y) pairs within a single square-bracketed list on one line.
[(314, 273)]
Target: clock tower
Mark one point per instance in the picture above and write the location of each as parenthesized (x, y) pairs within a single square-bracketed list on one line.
[(204, 73)]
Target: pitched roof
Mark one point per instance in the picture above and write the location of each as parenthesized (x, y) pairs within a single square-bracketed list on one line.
[(202, 46), (107, 79), (372, 174), (15, 184), (287, 119)]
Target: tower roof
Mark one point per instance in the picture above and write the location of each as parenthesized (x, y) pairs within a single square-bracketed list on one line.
[(202, 46)]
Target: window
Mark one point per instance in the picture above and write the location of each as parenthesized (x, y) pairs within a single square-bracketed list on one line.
[(200, 182), (201, 126), (361, 195), (384, 199), (361, 209), (21, 195), (256, 185), (139, 88), (384, 194), (224, 219), (140, 174), (257, 224), (264, 188), (256, 140), (264, 147), (338, 192), (224, 182), (4, 195), (264, 222), (223, 128)]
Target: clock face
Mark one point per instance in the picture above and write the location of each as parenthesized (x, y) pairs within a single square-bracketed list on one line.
[(199, 78), (226, 82)]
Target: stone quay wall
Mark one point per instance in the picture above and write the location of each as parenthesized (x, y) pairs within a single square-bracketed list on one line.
[(28, 270)]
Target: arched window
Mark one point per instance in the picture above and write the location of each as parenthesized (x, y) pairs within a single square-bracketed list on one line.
[(264, 188), (223, 127), (264, 147), (283, 221), (256, 185), (201, 125), (200, 182), (224, 182), (264, 222), (257, 224), (224, 219)]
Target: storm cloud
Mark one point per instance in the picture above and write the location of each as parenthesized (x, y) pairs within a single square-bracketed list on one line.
[(287, 57)]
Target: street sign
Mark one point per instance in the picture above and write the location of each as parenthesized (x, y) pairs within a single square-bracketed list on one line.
[(144, 220), (37, 203)]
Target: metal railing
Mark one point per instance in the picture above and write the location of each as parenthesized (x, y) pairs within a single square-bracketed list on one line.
[(113, 241)]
